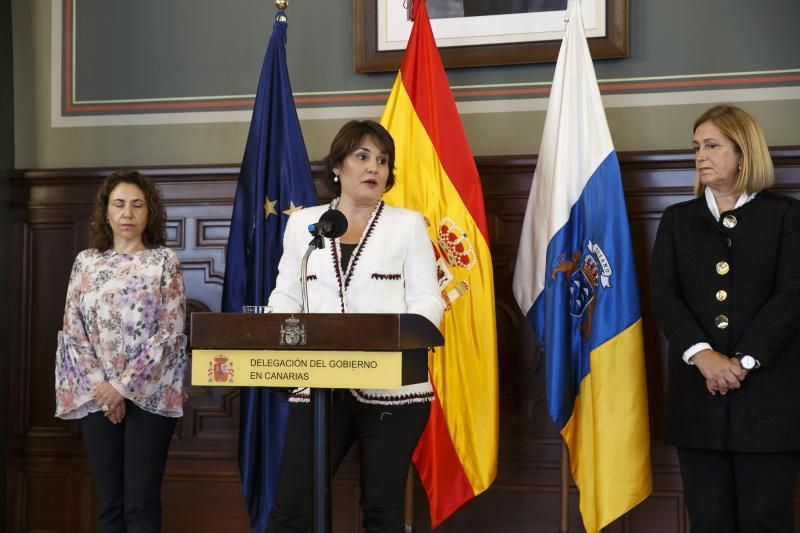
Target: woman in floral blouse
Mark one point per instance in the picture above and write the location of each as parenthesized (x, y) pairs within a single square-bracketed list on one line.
[(121, 356)]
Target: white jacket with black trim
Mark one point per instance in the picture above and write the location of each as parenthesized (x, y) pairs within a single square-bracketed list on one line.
[(392, 270)]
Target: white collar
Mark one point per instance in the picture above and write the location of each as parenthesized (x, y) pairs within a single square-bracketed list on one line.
[(712, 202)]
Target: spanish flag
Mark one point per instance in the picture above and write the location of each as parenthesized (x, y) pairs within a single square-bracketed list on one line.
[(457, 454)]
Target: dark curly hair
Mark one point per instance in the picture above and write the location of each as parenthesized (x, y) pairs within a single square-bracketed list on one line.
[(348, 140), (154, 234)]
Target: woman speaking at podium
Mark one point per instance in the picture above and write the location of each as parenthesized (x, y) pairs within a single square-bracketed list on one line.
[(383, 263), (121, 356)]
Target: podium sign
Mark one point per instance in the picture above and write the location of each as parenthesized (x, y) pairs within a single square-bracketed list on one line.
[(320, 350), (297, 368)]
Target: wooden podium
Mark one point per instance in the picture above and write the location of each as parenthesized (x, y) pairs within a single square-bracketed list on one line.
[(320, 351)]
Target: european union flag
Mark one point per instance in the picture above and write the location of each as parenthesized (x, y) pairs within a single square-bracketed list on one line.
[(274, 181)]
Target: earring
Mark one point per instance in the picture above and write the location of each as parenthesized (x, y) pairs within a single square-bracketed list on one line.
[(336, 178)]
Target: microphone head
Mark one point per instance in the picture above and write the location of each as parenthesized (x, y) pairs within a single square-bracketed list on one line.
[(333, 223)]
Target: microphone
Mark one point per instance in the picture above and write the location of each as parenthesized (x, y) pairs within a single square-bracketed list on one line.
[(331, 224)]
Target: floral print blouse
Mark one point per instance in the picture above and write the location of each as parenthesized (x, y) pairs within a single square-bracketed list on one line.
[(123, 323)]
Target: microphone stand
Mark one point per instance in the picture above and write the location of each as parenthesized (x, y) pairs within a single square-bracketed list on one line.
[(316, 243), (321, 427)]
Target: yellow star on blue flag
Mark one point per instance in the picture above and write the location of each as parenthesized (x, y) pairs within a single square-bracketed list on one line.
[(269, 207), (292, 209)]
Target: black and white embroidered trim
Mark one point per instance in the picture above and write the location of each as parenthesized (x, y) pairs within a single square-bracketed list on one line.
[(398, 398), (354, 260), (348, 274), (300, 395), (338, 269), (394, 399), (375, 275)]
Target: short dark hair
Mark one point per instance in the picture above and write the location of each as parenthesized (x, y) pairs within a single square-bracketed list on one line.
[(155, 232), (349, 139)]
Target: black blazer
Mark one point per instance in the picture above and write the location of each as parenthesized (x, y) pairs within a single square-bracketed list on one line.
[(762, 253)]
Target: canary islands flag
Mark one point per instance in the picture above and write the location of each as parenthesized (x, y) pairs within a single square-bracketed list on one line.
[(576, 284), (457, 453)]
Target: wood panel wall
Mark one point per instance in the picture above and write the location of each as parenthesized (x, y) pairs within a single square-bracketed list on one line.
[(49, 486)]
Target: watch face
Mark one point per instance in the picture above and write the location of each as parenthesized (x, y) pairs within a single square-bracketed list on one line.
[(748, 362)]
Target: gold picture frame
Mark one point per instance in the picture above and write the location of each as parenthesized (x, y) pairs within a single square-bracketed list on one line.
[(368, 57)]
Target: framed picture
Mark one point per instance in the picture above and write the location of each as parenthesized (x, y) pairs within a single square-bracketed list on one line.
[(473, 33)]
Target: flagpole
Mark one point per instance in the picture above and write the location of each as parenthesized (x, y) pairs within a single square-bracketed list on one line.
[(564, 528), (409, 502), (320, 414)]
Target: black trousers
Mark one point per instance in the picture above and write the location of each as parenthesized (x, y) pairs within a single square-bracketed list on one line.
[(387, 436), (730, 492), (127, 462)]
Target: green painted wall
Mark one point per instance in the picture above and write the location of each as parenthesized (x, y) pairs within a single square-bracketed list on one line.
[(675, 38)]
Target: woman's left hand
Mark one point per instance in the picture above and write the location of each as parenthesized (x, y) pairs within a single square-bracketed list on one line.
[(721, 373), (107, 397), (116, 414)]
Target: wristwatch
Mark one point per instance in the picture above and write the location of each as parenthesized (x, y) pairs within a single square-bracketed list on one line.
[(747, 361)]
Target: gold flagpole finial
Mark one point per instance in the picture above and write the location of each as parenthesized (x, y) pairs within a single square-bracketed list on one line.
[(281, 5)]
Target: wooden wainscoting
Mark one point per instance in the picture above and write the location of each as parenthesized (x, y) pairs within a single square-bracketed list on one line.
[(48, 482)]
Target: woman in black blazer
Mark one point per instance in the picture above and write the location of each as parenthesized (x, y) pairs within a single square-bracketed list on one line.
[(726, 291)]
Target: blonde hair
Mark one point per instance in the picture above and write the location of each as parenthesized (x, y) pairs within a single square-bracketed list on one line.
[(755, 166)]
